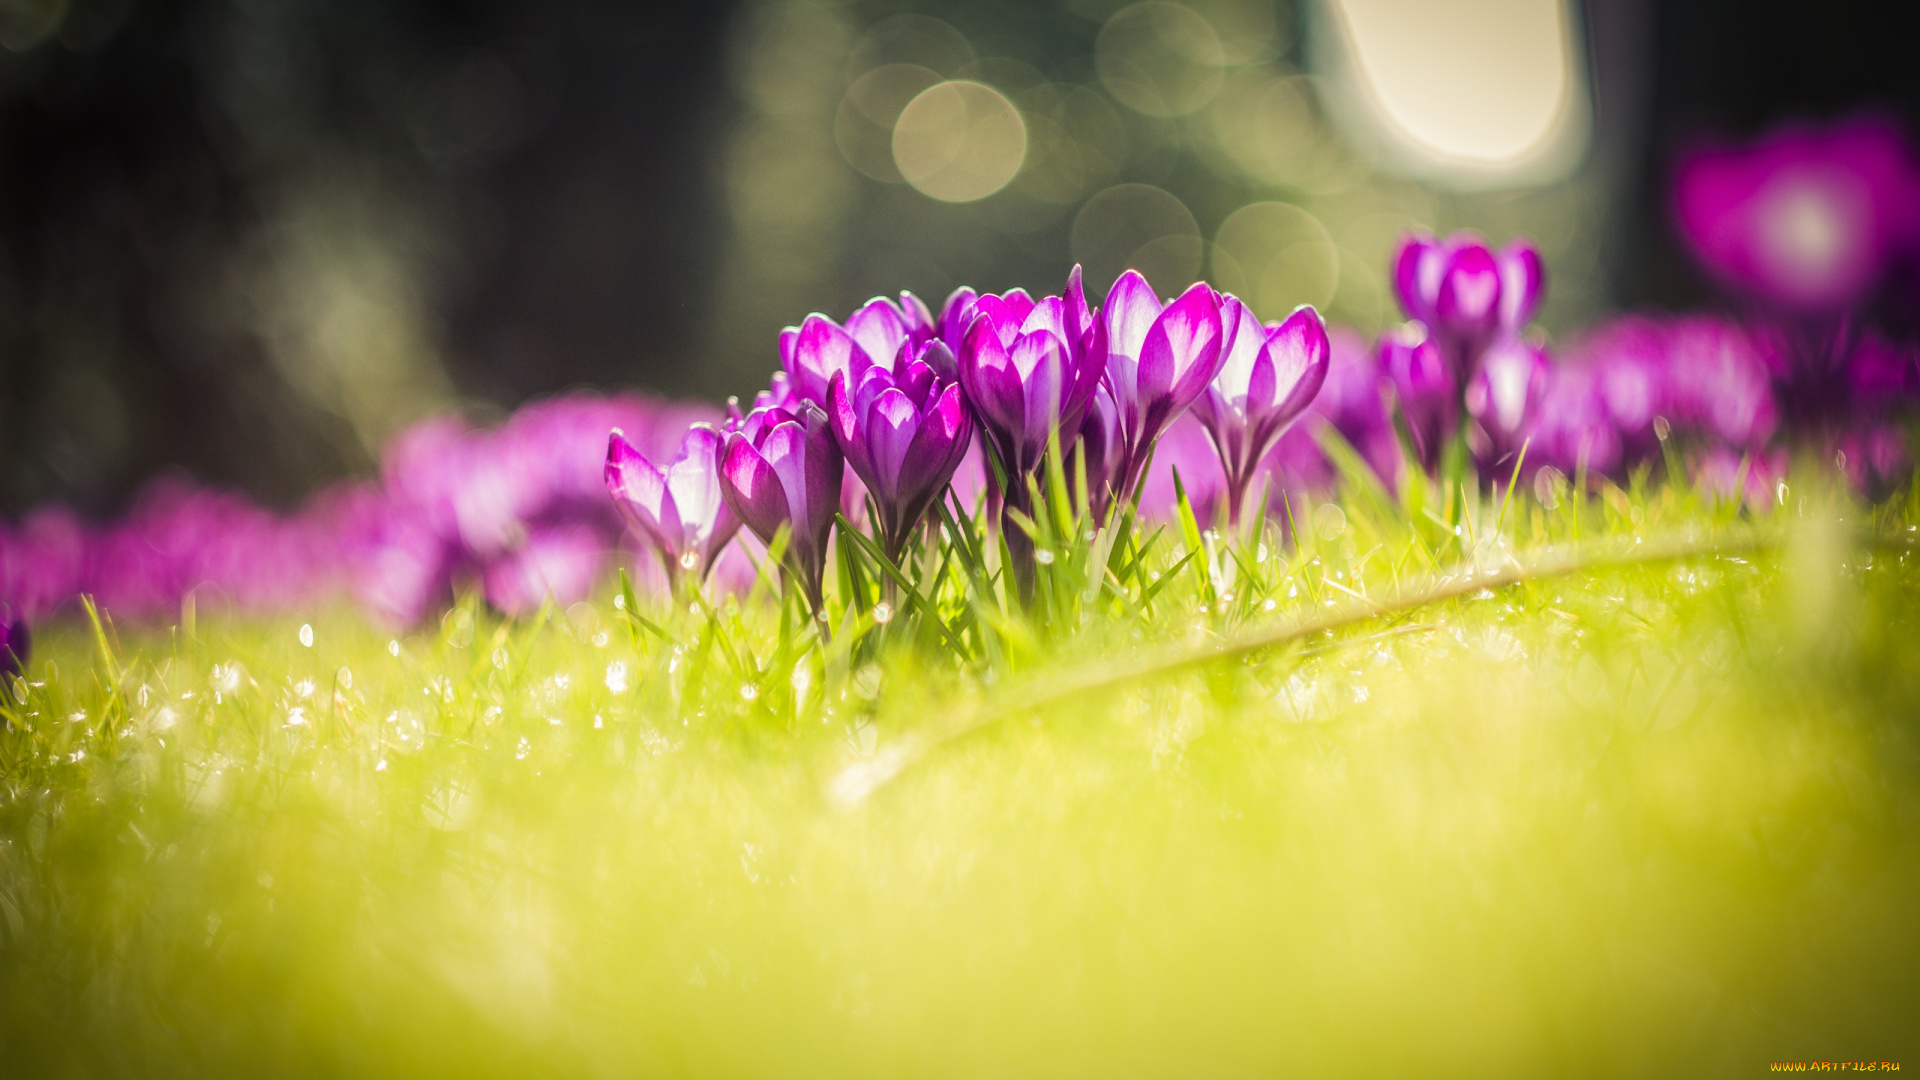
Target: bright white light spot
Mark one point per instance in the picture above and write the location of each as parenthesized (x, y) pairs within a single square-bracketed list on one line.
[(1486, 89), (617, 677), (306, 634)]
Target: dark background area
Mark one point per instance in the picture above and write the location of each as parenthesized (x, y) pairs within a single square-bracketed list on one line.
[(210, 210)]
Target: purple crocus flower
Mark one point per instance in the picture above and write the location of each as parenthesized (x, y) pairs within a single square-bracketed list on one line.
[(1423, 386), (678, 511), (1504, 399), (881, 333), (560, 561), (1267, 380), (16, 646), (1466, 294), (1158, 361), (784, 468), (1806, 218), (1028, 370), (904, 432)]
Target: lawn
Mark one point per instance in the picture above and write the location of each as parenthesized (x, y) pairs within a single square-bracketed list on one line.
[(1623, 785)]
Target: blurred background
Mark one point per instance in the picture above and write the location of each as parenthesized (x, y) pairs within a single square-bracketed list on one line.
[(254, 238)]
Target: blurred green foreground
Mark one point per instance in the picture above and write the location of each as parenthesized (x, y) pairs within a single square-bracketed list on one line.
[(1661, 820)]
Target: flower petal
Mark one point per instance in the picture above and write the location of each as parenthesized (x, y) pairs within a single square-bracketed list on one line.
[(822, 349), (1470, 293), (993, 387), (1244, 338), (937, 447), (955, 316), (1079, 319), (752, 489), (1298, 355), (641, 496), (1523, 281), (825, 469), (844, 412), (936, 355), (1041, 360), (693, 480), (1416, 276), (891, 424), (1185, 342), (919, 321), (1129, 313), (878, 329)]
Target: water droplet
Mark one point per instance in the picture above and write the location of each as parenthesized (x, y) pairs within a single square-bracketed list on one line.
[(393, 647), (617, 677), (382, 767), (749, 691), (1269, 605), (346, 678), (598, 723), (620, 601), (1329, 521), (689, 560), (1043, 557), (306, 634), (500, 659), (883, 612), (520, 752), (1260, 554)]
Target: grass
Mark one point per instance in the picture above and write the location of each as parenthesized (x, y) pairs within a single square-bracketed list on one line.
[(1640, 797)]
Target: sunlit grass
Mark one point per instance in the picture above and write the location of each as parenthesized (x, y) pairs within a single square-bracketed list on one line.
[(1642, 818)]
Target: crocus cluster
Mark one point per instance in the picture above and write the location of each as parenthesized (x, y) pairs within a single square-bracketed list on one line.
[(518, 512), (1462, 351), (1808, 226)]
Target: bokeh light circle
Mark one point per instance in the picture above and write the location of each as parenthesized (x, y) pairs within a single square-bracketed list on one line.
[(1159, 59), (1276, 256), (959, 141), (863, 124), (1140, 227)]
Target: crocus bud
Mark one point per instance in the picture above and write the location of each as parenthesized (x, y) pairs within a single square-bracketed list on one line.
[(784, 469), (1028, 370), (1423, 386), (1267, 380), (1504, 398), (1158, 361), (904, 433), (1466, 294), (677, 511)]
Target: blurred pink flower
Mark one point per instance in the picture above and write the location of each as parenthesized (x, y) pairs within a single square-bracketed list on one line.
[(1807, 217)]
